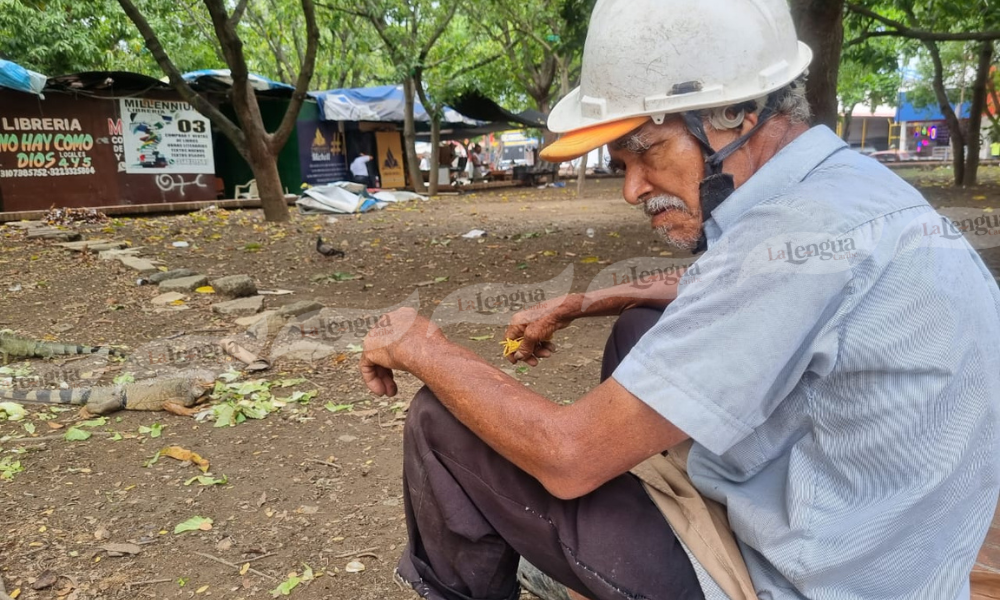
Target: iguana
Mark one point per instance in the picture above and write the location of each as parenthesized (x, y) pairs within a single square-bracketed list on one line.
[(177, 394), (12, 345)]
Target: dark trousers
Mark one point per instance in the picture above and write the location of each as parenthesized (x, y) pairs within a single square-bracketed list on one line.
[(364, 180), (471, 514)]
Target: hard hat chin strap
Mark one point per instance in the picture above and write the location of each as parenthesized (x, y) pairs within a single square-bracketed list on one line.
[(717, 186)]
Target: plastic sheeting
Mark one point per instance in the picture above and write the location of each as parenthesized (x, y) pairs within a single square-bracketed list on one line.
[(16, 77), (379, 104), (224, 76), (346, 198)]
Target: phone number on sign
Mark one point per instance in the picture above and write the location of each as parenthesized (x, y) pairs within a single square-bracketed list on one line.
[(55, 172)]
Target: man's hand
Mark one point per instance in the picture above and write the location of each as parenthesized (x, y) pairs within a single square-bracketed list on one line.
[(538, 324), (405, 338)]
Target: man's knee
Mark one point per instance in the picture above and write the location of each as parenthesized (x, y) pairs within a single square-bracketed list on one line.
[(428, 420), (626, 333), (634, 323)]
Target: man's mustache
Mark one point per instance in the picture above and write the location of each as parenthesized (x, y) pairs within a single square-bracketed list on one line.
[(658, 204)]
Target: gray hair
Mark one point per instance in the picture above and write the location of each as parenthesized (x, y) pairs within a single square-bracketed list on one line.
[(792, 104)]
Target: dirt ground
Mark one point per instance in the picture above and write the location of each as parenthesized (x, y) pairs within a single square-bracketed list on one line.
[(312, 486)]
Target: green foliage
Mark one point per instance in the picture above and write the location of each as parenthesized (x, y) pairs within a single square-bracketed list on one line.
[(57, 37)]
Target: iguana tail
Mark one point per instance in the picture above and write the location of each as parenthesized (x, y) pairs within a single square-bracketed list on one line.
[(17, 347), (78, 396)]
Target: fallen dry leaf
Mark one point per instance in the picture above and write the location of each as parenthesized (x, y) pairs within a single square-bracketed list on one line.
[(183, 454)]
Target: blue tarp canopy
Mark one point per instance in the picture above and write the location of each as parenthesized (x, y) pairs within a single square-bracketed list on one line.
[(907, 112), (379, 104), (223, 76), (16, 77)]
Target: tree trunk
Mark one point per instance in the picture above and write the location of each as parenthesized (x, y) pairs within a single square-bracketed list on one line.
[(262, 157), (848, 119), (581, 176), (954, 125), (265, 171), (820, 24), (976, 113), (435, 142), (410, 136)]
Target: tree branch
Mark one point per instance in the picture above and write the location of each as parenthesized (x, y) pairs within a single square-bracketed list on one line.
[(441, 27), (284, 130), (238, 13), (227, 127), (902, 30)]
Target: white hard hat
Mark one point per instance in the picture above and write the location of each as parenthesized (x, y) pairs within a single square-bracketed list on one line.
[(649, 58)]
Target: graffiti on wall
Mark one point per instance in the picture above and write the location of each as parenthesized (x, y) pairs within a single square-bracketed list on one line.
[(169, 183), (44, 147)]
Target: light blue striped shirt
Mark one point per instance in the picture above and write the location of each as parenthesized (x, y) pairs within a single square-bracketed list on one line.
[(838, 366)]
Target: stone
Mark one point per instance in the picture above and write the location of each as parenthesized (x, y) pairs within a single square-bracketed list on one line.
[(165, 299), (168, 275), (184, 284), (26, 224), (254, 319), (266, 327), (235, 286), (45, 233), (139, 264), (89, 245), (296, 309), (241, 307), (116, 253), (304, 350)]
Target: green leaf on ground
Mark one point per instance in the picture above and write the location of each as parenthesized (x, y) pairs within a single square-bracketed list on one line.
[(29, 427), (12, 411), (481, 338), (9, 467), (124, 378), (336, 408), (98, 422), (194, 524), (154, 432), (206, 480), (76, 435), (286, 586)]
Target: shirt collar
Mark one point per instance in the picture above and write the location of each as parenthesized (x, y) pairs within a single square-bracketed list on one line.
[(789, 166)]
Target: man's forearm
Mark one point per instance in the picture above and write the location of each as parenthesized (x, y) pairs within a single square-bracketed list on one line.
[(509, 417), (615, 300)]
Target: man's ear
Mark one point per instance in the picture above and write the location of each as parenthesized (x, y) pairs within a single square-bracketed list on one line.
[(749, 122)]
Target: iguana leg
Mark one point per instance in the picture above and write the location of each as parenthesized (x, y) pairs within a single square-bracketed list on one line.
[(177, 408)]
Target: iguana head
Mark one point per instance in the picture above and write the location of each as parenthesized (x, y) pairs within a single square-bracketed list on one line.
[(200, 383)]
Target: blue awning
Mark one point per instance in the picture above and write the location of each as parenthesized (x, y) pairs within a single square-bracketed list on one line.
[(223, 76), (16, 77), (380, 104), (907, 112)]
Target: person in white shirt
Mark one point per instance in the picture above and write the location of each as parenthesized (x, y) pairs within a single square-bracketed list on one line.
[(359, 170)]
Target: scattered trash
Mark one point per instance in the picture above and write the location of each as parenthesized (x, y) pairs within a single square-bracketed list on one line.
[(591, 233), (68, 216), (180, 244), (275, 292), (346, 198), (14, 288), (331, 220), (475, 234)]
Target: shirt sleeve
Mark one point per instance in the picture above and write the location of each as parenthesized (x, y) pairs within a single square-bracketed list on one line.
[(744, 329)]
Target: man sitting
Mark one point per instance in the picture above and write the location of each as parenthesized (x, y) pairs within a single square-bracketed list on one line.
[(832, 359)]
